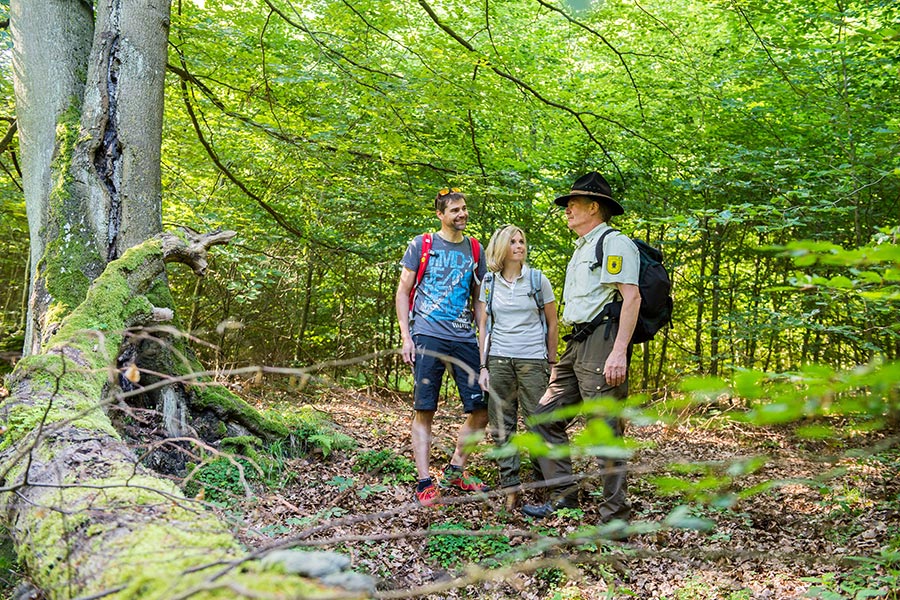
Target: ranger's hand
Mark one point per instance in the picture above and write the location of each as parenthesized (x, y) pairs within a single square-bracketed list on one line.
[(616, 369)]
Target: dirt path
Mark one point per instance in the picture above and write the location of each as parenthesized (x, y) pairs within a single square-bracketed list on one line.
[(773, 544)]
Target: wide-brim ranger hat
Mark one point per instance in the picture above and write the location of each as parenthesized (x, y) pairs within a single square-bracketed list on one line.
[(592, 185)]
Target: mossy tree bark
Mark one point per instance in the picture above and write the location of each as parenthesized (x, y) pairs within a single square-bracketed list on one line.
[(89, 101), (87, 516), (52, 42)]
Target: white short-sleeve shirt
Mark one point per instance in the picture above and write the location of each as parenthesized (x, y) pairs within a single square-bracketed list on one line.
[(516, 330)]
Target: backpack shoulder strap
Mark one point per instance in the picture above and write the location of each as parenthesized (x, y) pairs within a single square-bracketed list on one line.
[(598, 250), (427, 242), (488, 286), (537, 292), (537, 288), (476, 256)]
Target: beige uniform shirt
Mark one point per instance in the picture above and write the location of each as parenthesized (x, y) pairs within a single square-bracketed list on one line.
[(587, 291)]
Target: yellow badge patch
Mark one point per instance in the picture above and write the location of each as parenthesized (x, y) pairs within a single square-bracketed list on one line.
[(614, 264)]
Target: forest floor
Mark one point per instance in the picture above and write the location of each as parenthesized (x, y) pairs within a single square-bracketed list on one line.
[(795, 537)]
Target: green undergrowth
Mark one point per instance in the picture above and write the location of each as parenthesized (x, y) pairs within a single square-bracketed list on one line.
[(223, 480), (393, 468), (246, 462), (458, 546), (857, 505), (876, 576), (859, 495), (244, 465)]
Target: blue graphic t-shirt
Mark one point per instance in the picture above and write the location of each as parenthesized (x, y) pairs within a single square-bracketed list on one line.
[(442, 299)]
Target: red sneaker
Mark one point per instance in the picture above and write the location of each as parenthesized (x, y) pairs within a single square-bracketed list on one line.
[(463, 481), (428, 496)]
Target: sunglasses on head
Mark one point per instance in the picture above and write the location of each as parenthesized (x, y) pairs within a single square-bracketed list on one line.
[(446, 191)]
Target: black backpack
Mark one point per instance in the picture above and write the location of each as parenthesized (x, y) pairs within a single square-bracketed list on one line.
[(656, 291)]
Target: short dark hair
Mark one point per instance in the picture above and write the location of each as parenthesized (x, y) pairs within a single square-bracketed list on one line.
[(445, 196)]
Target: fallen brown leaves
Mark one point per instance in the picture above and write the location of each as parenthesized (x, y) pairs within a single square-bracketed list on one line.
[(821, 509)]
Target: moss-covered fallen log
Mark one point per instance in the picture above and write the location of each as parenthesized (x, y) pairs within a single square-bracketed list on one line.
[(87, 519)]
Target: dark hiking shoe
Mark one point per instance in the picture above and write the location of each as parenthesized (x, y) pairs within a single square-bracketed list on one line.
[(542, 511)]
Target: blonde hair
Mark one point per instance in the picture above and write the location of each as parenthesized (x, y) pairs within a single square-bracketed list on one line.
[(495, 254)]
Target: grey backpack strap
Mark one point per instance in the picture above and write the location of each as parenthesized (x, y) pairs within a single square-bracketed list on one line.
[(488, 285), (537, 292)]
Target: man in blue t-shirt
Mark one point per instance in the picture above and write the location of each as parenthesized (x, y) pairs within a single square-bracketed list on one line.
[(439, 330)]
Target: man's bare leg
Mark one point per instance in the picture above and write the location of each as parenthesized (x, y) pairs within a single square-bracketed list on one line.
[(421, 441), (471, 432)]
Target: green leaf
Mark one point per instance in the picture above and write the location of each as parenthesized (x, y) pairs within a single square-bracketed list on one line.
[(746, 466), (841, 282), (869, 277), (681, 518), (805, 260), (748, 384)]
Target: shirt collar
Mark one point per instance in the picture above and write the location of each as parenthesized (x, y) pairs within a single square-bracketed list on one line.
[(525, 269), (591, 235)]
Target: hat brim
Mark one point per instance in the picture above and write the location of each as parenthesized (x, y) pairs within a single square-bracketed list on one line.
[(614, 207)]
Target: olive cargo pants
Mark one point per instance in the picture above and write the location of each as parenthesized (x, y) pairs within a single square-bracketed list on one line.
[(516, 385)]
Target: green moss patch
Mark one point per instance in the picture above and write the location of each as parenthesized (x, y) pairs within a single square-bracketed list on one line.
[(223, 402)]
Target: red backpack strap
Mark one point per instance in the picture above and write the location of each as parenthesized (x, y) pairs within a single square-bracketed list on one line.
[(476, 256), (427, 241)]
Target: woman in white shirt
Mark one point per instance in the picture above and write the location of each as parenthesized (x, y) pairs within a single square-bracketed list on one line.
[(518, 337)]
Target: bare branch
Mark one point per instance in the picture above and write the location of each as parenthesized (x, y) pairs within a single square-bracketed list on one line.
[(765, 47), (606, 42), (191, 248), (4, 143), (577, 115), (328, 49)]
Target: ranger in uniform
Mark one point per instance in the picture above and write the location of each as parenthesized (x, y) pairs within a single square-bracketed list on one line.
[(595, 361)]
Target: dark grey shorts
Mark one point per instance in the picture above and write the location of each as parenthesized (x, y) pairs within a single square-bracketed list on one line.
[(429, 372)]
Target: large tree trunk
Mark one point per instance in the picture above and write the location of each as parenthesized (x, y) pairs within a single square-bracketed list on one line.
[(117, 157), (50, 55), (89, 99)]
